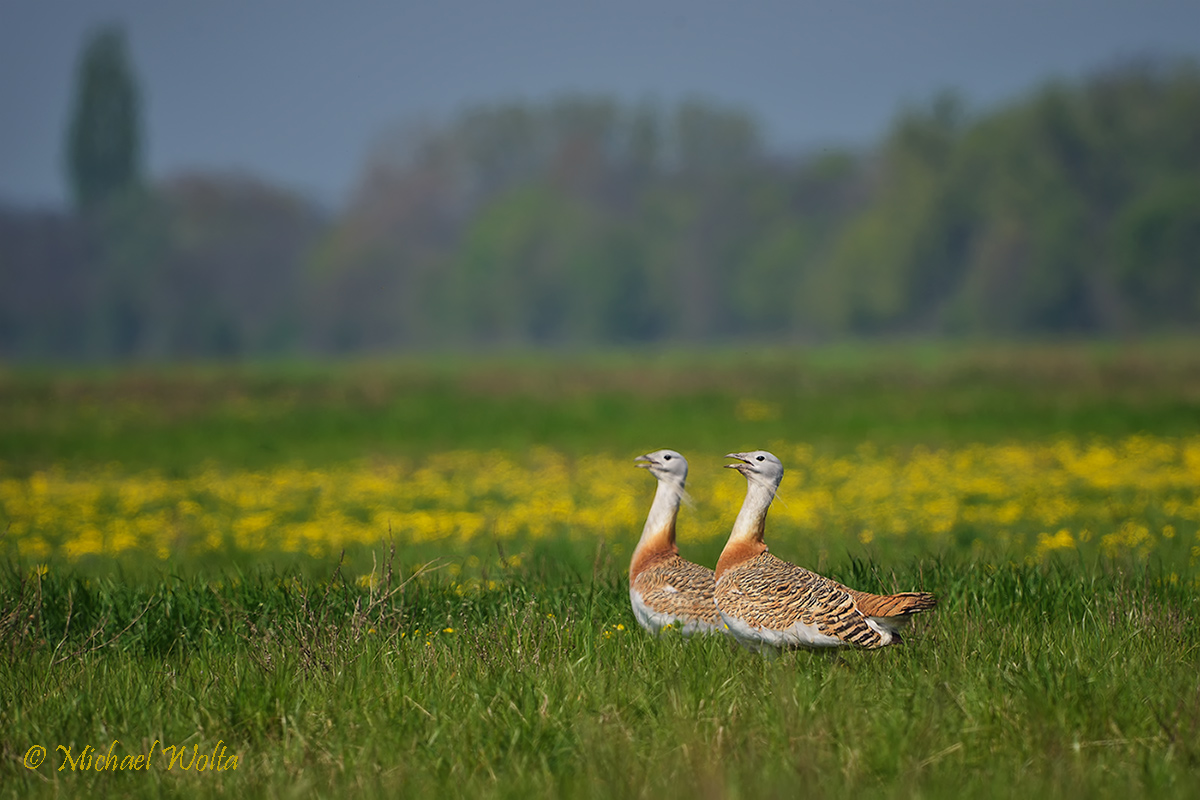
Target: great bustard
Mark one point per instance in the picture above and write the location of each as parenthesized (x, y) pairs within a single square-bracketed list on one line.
[(664, 588), (767, 602)]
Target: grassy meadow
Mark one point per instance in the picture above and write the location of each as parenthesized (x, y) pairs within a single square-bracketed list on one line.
[(408, 576)]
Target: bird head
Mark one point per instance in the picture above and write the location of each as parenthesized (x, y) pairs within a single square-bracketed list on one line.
[(758, 466), (665, 465)]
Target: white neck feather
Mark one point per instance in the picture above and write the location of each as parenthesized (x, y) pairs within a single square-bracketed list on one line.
[(752, 519), (660, 522)]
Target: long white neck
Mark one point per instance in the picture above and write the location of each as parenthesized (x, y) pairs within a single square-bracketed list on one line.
[(746, 538), (660, 522), (658, 534), (752, 519)]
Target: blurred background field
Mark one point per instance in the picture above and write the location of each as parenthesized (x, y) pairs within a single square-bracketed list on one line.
[(1001, 452)]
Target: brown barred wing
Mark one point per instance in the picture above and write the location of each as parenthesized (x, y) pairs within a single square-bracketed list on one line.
[(680, 588), (768, 593)]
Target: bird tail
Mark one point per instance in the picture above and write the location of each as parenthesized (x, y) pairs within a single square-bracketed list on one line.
[(890, 606)]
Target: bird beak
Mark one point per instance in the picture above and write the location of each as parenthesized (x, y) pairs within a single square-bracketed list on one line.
[(643, 462), (740, 457)]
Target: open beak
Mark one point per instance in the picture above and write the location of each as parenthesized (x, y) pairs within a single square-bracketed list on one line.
[(740, 457), (644, 462)]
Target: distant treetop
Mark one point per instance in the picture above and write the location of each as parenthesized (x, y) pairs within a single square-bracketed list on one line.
[(104, 142)]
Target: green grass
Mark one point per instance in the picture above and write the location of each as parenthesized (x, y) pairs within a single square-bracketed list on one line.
[(1069, 678), (1059, 680), (174, 417)]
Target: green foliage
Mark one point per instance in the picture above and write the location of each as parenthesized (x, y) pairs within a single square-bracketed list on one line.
[(104, 137), (521, 268), (1065, 212), (1069, 211), (131, 234), (575, 221), (586, 221), (1160, 228)]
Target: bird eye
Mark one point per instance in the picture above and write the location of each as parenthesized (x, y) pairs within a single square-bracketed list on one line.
[(760, 458), (666, 458)]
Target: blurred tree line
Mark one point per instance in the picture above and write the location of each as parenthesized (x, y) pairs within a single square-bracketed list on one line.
[(1074, 210)]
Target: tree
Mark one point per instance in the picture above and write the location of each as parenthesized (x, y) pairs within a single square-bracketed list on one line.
[(104, 138)]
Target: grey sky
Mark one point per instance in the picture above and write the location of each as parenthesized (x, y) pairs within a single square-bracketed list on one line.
[(296, 91)]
